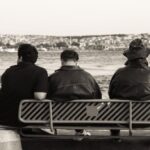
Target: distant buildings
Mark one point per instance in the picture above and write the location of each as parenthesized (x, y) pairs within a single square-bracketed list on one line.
[(47, 43)]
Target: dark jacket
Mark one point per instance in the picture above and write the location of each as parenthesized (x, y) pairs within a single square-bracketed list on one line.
[(72, 82), (131, 82)]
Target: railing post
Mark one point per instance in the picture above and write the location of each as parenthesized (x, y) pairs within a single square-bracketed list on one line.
[(51, 118), (130, 118)]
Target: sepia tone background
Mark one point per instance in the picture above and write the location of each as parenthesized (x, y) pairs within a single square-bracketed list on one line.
[(99, 30)]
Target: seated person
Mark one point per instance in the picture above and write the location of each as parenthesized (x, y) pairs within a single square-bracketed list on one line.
[(132, 82), (70, 82), (22, 81)]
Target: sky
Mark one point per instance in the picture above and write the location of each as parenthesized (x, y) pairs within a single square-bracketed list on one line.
[(74, 17)]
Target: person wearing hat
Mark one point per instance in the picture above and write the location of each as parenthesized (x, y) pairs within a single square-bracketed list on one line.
[(132, 82)]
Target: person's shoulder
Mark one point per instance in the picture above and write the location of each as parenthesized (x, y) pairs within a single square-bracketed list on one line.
[(40, 68), (11, 68), (82, 70), (57, 72), (121, 69), (85, 73), (120, 72)]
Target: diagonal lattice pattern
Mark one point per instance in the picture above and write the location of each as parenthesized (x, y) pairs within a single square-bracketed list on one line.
[(72, 112), (35, 112), (75, 112), (88, 113), (140, 112)]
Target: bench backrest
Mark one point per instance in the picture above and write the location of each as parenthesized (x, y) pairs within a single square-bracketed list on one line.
[(85, 112)]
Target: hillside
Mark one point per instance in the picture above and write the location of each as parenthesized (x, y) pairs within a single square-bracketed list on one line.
[(94, 42)]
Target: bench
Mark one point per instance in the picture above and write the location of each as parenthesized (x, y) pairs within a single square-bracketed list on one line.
[(85, 114)]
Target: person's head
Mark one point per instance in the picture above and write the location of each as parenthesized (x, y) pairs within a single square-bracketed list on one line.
[(27, 53), (136, 50), (69, 57)]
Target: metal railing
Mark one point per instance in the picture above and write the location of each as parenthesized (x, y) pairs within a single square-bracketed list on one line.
[(85, 113)]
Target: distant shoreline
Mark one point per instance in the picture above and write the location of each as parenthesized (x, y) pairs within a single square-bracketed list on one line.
[(53, 43)]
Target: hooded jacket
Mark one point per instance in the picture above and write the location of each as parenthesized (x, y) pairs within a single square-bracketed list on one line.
[(131, 82)]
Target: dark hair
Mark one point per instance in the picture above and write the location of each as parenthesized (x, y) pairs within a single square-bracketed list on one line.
[(28, 53), (69, 54)]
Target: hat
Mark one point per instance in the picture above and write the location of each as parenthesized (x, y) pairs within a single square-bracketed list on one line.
[(136, 50)]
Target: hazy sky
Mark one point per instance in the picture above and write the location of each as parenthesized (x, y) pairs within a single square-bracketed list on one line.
[(74, 17)]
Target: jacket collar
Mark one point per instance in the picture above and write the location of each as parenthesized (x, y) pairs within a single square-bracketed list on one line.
[(66, 68), (137, 63)]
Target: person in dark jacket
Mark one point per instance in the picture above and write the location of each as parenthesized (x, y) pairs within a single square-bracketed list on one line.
[(132, 82), (70, 82)]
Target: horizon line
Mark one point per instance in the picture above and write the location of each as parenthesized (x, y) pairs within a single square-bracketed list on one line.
[(83, 35)]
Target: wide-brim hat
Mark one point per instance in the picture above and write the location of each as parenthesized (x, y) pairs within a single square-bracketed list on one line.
[(136, 50)]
